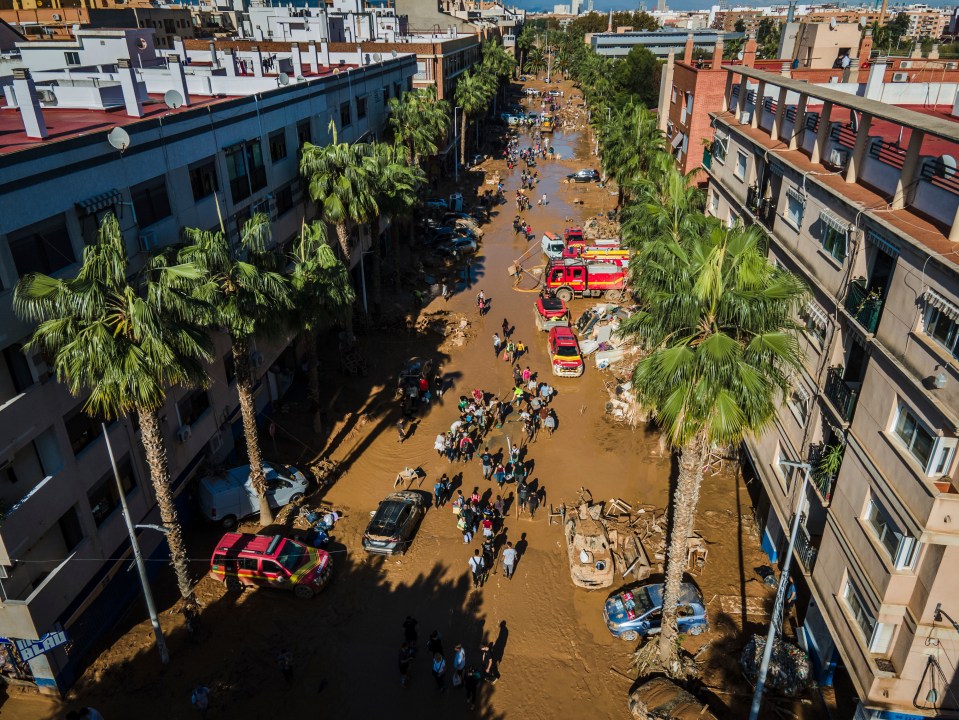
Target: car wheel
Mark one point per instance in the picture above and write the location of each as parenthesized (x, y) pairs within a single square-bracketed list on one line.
[(228, 523), (696, 630), (296, 497), (629, 636), (302, 591), (564, 294)]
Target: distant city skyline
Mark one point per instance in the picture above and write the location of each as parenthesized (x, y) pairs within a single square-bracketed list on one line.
[(607, 5)]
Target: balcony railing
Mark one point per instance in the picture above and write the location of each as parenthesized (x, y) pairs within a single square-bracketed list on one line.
[(840, 394), (825, 462), (805, 550), (863, 305)]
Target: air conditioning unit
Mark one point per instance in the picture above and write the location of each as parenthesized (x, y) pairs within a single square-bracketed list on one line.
[(951, 65), (256, 359), (148, 240), (839, 158), (216, 443), (900, 77), (905, 64), (746, 117), (183, 433), (56, 16)]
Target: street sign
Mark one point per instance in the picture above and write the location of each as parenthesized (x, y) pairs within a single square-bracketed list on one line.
[(30, 649)]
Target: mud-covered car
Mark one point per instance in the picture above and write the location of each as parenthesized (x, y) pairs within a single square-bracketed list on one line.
[(636, 611), (394, 523), (662, 699), (587, 544)]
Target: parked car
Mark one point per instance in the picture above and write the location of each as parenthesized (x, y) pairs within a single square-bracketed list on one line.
[(462, 245), (243, 559), (440, 235), (228, 497), (636, 611), (551, 312), (394, 523), (584, 175), (555, 93), (565, 357), (591, 562), (414, 369), (662, 699)]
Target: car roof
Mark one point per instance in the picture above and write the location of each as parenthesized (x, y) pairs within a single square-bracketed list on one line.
[(562, 333), (235, 477), (552, 303), (233, 543), (689, 594), (551, 235)]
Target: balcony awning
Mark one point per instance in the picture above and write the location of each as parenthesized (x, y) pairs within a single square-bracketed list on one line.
[(678, 140), (816, 312), (796, 194), (827, 217), (945, 306), (882, 244), (99, 202)]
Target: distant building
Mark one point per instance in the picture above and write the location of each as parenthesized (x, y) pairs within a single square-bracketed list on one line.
[(58, 23), (659, 42)]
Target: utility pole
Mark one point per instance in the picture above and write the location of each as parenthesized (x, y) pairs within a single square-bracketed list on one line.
[(137, 555)]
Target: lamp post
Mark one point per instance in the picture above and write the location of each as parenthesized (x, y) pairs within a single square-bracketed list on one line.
[(456, 151), (780, 592), (137, 555)]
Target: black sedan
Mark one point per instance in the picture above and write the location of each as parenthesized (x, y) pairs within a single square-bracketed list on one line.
[(394, 523), (584, 175)]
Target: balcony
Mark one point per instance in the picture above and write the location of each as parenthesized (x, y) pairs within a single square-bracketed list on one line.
[(840, 394), (825, 461), (863, 305), (805, 549)]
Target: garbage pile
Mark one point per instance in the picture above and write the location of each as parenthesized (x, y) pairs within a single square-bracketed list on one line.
[(789, 673), (600, 227), (452, 326), (597, 329)]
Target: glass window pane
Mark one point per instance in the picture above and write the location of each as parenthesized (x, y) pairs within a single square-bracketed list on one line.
[(922, 446)]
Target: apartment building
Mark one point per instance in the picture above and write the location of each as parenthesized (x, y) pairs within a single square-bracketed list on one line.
[(859, 197), (226, 146), (659, 42)]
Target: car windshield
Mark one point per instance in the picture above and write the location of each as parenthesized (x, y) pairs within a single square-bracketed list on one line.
[(292, 556), (567, 351), (640, 598)]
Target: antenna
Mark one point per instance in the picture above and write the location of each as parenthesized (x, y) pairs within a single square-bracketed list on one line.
[(283, 79), (173, 99), (119, 138)]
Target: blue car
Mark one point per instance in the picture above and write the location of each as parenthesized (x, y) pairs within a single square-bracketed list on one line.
[(636, 611)]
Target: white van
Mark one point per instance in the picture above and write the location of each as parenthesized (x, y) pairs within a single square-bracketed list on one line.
[(229, 497), (552, 245)]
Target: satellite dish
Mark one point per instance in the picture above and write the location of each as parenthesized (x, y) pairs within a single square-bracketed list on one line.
[(283, 79), (118, 138), (832, 24), (141, 44), (393, 53), (336, 71), (377, 57), (173, 99), (300, 78)]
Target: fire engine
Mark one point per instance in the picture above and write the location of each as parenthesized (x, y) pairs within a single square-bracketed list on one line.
[(569, 278)]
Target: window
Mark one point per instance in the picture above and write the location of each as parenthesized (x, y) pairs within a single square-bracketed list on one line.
[(69, 524), (741, 161), (834, 235), (346, 118), (816, 322), (71, 58), (785, 471), (277, 145), (674, 94), (933, 453), (18, 367), (714, 202), (44, 247), (361, 107), (859, 610), (82, 430), (150, 201), (203, 179), (386, 93), (731, 220), (940, 322), (799, 402), (191, 408), (689, 102), (719, 147), (244, 164), (795, 205), (304, 132), (251, 564), (901, 548), (104, 498), (284, 199)]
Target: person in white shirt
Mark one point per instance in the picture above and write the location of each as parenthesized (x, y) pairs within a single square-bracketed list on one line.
[(509, 560)]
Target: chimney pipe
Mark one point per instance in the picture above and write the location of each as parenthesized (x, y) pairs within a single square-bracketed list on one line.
[(214, 58), (178, 76), (325, 53), (297, 61), (180, 49), (688, 53), (257, 61), (229, 61), (718, 53), (314, 57), (29, 104), (359, 56), (128, 84)]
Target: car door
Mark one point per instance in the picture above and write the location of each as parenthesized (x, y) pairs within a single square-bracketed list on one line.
[(579, 277), (281, 490), (403, 523), (248, 570), (273, 574), (654, 620)]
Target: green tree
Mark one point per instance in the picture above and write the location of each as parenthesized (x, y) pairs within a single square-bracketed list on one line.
[(419, 122), (243, 293), (638, 75), (471, 95), (740, 26), (535, 61), (716, 322), (320, 293), (121, 338)]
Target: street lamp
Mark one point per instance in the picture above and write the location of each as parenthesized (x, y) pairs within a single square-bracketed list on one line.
[(780, 591), (137, 555), (456, 154)]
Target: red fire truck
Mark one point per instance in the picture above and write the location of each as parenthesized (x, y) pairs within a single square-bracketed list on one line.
[(569, 278)]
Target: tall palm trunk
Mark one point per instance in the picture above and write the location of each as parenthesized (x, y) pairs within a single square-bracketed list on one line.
[(152, 440), (463, 141), (685, 500), (376, 270), (244, 388), (343, 235), (395, 238)]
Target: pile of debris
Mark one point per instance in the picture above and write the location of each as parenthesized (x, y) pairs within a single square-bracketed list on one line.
[(599, 228), (597, 328), (326, 472), (455, 327), (789, 667), (622, 405)]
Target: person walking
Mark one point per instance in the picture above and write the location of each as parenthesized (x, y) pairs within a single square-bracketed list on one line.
[(409, 633), (440, 444), (435, 643), (522, 493), (467, 518), (401, 430), (509, 560), (518, 395), (532, 504), (439, 671), (517, 375), (526, 374), (499, 506), (471, 682), (505, 328), (497, 343), (487, 525), (438, 493), (499, 474), (487, 461), (403, 662), (459, 665), (476, 568), (488, 664)]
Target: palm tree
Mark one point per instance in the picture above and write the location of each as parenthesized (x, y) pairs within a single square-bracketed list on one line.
[(535, 61), (499, 65), (395, 184), (244, 294), (125, 343), (419, 121), (321, 293), (664, 204), (472, 94), (716, 320)]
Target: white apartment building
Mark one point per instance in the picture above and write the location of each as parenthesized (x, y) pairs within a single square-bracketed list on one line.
[(227, 147), (859, 197)]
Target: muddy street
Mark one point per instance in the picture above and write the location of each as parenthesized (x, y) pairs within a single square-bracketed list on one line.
[(554, 653)]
